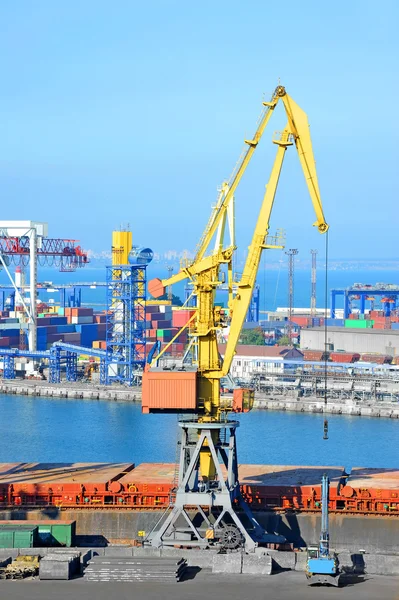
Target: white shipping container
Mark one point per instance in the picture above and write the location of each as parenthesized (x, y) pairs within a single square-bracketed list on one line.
[(81, 320)]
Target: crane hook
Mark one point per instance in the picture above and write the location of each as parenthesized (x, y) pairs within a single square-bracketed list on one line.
[(325, 429)]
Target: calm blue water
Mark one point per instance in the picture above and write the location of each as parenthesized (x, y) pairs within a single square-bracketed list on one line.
[(38, 429)]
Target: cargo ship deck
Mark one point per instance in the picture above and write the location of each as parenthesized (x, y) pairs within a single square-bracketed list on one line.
[(150, 486)]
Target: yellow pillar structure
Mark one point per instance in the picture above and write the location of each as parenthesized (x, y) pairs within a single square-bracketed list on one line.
[(121, 246)]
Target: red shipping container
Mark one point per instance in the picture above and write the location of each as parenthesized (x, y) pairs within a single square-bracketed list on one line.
[(354, 316), (301, 321), (344, 357), (313, 355), (379, 359), (181, 317), (163, 390)]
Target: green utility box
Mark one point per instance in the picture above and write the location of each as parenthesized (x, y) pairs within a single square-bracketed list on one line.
[(49, 533), (18, 537)]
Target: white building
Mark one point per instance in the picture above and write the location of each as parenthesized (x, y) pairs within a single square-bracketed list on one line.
[(260, 360)]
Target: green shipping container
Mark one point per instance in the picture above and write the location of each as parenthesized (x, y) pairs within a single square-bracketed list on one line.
[(357, 324), (18, 537), (49, 533), (58, 533)]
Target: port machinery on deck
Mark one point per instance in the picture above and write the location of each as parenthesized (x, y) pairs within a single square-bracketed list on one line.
[(210, 436)]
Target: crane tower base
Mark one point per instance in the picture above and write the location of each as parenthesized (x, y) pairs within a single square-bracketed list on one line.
[(209, 514)]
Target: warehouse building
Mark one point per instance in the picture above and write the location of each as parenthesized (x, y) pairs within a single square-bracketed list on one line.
[(352, 340)]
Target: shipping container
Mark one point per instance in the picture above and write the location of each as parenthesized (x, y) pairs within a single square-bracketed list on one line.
[(181, 317), (335, 322), (49, 533), (314, 355), (379, 359), (164, 324), (80, 320), (13, 536), (344, 357), (100, 318), (358, 324), (82, 312), (72, 338), (66, 329), (169, 391), (58, 320)]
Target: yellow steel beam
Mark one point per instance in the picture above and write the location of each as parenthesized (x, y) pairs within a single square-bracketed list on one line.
[(246, 285), (299, 127)]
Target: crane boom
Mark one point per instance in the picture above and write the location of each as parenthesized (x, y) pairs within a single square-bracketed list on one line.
[(204, 270)]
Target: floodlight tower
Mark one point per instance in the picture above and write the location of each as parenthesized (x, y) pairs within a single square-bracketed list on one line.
[(170, 291), (313, 291), (291, 253)]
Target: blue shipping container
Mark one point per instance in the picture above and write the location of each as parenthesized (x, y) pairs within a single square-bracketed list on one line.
[(9, 332), (58, 321), (66, 328), (394, 325)]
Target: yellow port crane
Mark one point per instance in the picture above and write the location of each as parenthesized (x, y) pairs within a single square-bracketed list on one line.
[(196, 389)]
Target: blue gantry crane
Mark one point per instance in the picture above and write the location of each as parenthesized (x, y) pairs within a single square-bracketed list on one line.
[(322, 565)]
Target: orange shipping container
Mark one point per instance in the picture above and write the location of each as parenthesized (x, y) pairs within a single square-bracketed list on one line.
[(169, 391)]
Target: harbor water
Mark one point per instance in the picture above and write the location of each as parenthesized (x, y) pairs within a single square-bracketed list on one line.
[(57, 430)]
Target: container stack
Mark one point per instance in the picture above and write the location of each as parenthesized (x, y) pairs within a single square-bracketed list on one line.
[(10, 330), (163, 324), (78, 326)]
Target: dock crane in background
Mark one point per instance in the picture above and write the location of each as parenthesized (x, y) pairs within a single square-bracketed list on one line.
[(322, 565), (26, 242), (210, 436)]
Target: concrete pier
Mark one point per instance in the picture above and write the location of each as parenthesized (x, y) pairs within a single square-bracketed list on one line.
[(349, 534), (310, 404)]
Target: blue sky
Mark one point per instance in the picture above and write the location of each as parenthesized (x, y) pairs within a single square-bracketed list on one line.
[(136, 112)]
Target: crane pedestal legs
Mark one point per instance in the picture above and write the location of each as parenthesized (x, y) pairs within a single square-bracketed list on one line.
[(205, 511)]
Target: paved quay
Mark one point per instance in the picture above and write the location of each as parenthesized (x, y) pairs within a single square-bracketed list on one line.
[(281, 586)]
